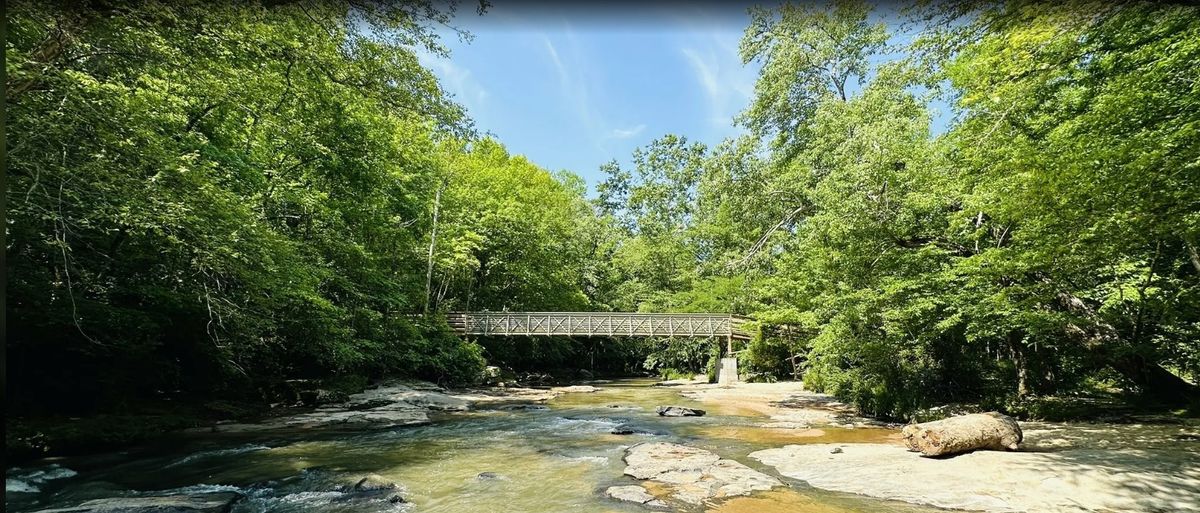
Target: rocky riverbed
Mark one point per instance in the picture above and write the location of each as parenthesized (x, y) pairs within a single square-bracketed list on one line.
[(1071, 467), (604, 447), (399, 403)]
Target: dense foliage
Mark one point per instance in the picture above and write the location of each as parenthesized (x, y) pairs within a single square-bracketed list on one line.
[(1045, 244), (207, 199), (204, 197)]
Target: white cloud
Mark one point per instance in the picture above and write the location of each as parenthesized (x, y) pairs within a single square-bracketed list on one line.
[(625, 133)]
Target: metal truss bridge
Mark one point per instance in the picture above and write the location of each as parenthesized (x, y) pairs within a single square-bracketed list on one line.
[(599, 324)]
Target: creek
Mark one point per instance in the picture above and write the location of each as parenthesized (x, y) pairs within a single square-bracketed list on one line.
[(554, 457)]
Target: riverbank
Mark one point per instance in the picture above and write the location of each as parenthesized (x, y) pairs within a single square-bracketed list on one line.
[(1064, 467)]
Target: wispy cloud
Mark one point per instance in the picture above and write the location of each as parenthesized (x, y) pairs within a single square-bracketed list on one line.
[(558, 64), (727, 85), (575, 84), (706, 74), (626, 133), (458, 81)]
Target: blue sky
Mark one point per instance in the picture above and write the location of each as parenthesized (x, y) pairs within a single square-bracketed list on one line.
[(572, 88)]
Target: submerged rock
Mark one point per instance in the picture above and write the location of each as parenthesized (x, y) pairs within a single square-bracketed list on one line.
[(634, 493), (524, 407), (488, 476), (678, 411), (219, 502), (372, 487), (374, 483), (574, 389), (632, 429), (693, 475)]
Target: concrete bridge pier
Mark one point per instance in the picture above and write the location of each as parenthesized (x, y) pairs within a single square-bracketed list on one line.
[(727, 373)]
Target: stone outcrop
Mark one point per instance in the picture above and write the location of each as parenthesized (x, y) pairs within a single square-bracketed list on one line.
[(678, 411), (964, 433), (693, 475), (400, 403)]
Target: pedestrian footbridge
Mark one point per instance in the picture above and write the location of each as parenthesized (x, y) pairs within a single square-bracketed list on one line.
[(599, 324)]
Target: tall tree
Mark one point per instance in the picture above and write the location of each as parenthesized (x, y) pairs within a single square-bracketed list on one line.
[(1077, 145)]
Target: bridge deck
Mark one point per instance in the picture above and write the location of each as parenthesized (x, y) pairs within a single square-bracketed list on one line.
[(598, 324)]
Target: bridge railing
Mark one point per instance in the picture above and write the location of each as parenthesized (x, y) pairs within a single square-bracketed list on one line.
[(598, 324)]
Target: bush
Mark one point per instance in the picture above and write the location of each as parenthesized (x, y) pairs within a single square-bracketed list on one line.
[(680, 356)]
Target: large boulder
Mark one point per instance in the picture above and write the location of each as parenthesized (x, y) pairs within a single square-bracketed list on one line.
[(963, 433), (371, 487), (678, 411), (492, 375), (374, 483), (217, 502), (693, 475)]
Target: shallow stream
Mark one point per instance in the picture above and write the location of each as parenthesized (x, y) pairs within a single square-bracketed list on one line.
[(555, 457)]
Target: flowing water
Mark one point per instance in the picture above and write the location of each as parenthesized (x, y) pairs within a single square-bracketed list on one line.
[(553, 458)]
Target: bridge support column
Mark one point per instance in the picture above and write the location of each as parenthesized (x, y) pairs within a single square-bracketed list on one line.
[(727, 375)]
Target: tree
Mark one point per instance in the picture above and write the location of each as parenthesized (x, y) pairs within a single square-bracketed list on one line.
[(204, 196), (1076, 145)]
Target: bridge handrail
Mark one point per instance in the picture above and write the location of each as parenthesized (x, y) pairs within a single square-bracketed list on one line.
[(597, 323), (648, 314)]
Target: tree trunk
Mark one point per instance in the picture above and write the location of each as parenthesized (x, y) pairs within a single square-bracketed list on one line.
[(964, 433), (437, 201), (1103, 341), (1193, 255), (1017, 351), (1153, 380)]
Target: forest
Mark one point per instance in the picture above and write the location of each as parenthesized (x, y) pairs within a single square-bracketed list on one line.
[(207, 202)]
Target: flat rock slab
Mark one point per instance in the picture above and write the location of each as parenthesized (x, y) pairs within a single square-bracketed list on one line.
[(635, 493), (219, 502), (406, 393), (575, 389), (395, 404), (1078, 480), (693, 475)]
